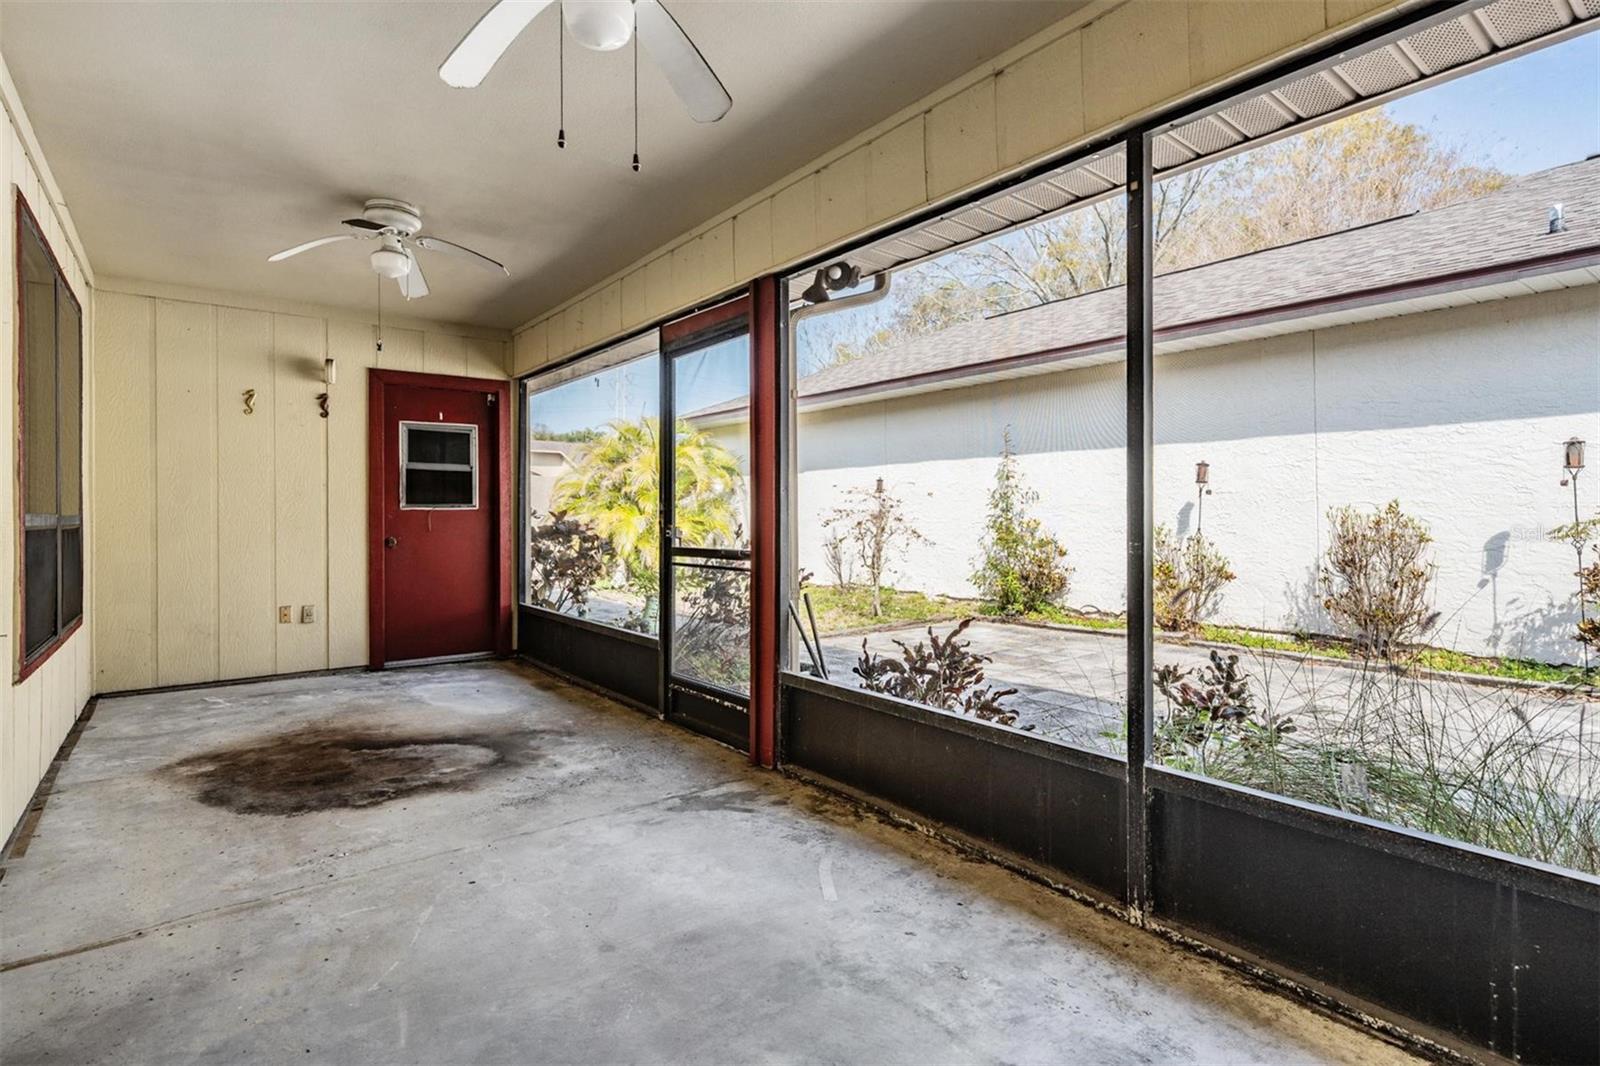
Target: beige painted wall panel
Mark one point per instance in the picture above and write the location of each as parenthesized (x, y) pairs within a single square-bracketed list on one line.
[(299, 346), (897, 171), (562, 339), (1226, 35), (245, 550), (186, 492), (608, 311), (794, 220), (716, 258), (688, 271), (961, 140), (658, 284), (1339, 12), (1133, 58), (842, 197), (752, 241), (122, 525), (528, 348), (634, 299), (444, 354), (350, 343), (402, 350), (1039, 101), (486, 357)]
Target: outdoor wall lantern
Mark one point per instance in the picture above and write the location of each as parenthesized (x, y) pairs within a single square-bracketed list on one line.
[(1202, 473), (1202, 481), (1574, 457)]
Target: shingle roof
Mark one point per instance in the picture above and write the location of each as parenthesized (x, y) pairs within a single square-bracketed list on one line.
[(1501, 228)]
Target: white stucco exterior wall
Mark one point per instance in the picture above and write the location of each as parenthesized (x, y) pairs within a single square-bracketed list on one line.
[(1458, 413)]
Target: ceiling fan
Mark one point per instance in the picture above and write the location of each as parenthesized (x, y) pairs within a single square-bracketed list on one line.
[(601, 25), (395, 224)]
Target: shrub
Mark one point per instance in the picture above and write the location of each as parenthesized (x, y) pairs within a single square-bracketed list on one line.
[(841, 564), (1375, 578), (1189, 577), (565, 559), (1584, 537), (1022, 568), (943, 673), (1220, 707), (873, 521)]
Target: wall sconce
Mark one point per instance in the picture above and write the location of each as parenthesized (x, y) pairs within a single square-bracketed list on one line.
[(330, 371)]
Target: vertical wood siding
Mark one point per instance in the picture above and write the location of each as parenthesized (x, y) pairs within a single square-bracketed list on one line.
[(215, 518)]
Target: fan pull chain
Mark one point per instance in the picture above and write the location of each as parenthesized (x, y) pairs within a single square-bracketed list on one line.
[(380, 316), (636, 102), (561, 80)]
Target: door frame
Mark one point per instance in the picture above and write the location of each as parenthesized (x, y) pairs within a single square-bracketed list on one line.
[(715, 706), (380, 465)]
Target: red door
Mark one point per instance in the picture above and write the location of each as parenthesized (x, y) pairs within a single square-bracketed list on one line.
[(440, 579)]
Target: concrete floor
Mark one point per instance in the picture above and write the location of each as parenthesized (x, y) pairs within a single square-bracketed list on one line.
[(567, 881)]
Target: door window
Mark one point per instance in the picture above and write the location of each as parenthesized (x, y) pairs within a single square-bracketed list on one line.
[(438, 466)]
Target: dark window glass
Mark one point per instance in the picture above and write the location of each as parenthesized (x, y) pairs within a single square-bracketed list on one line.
[(71, 573), (50, 409), (39, 575), (439, 446), (438, 488)]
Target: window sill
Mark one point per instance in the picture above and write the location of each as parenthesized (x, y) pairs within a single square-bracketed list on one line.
[(27, 669)]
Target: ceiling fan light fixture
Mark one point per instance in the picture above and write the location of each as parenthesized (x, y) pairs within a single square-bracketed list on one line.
[(603, 25), (391, 262)]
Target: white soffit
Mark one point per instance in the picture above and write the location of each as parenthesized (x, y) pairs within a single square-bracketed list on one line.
[(1447, 46)]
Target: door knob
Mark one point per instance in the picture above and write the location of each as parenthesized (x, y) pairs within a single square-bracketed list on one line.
[(389, 542)]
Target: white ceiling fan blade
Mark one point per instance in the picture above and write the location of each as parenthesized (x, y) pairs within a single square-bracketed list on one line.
[(413, 286), (439, 244), (306, 247), (486, 42), (686, 69)]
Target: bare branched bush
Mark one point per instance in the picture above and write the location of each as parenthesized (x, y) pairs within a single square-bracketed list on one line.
[(1376, 579), (873, 521)]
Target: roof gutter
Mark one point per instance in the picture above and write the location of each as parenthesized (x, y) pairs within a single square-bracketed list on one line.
[(1500, 272)]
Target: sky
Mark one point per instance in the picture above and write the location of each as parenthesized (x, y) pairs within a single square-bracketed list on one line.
[(704, 378)]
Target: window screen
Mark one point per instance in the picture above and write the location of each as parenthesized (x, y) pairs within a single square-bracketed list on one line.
[(438, 466), (49, 374)]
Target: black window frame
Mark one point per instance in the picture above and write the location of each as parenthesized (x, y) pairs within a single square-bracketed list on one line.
[(65, 623)]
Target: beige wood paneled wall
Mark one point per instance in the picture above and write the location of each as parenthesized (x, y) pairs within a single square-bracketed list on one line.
[(1092, 73), (37, 714), (212, 518)]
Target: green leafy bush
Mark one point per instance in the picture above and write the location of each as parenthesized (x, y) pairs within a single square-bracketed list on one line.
[(1190, 575), (1376, 580), (1023, 568)]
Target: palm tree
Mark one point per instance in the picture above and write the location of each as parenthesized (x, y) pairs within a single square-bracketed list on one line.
[(615, 486)]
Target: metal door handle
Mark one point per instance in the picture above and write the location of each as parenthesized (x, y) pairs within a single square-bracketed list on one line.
[(389, 542)]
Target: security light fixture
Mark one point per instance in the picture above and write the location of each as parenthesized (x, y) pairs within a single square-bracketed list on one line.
[(835, 277)]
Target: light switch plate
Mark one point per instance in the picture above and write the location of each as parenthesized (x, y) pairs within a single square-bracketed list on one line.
[(285, 615), (308, 613)]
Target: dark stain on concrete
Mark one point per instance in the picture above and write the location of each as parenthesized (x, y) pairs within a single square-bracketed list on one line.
[(325, 766)]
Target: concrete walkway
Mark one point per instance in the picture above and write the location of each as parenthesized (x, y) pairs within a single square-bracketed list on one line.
[(480, 864)]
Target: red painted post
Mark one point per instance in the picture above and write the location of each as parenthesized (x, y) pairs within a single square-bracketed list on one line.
[(764, 533)]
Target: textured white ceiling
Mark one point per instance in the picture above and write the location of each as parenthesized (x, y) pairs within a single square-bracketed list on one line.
[(192, 140)]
